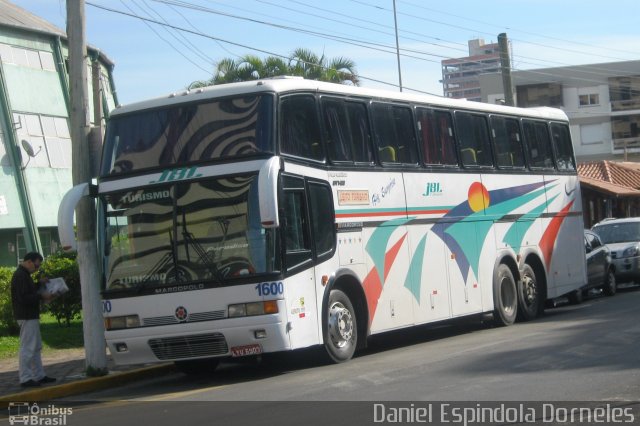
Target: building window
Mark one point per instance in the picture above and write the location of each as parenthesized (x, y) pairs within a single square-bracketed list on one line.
[(27, 57), (591, 134), (535, 95), (590, 99), (626, 131), (624, 93), (49, 136)]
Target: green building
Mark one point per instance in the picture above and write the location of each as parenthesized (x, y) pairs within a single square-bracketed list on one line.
[(35, 144)]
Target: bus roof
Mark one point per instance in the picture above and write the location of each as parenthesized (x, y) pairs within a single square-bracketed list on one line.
[(287, 84)]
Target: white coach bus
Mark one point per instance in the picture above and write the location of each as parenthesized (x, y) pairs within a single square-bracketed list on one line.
[(284, 213)]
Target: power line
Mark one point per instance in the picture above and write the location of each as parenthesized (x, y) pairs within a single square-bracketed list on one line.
[(369, 45), (146, 22), (195, 28), (133, 15), (181, 38), (369, 22), (578, 43), (486, 33), (605, 72), (355, 42)]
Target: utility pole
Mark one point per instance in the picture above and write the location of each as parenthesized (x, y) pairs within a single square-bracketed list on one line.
[(505, 65), (395, 21), (93, 325)]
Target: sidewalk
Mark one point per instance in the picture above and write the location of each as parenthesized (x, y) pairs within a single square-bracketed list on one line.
[(68, 366)]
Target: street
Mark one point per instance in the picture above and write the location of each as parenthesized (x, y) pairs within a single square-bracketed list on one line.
[(587, 352)]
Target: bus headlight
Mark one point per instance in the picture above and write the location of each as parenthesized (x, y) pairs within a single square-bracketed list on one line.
[(125, 321), (253, 308)]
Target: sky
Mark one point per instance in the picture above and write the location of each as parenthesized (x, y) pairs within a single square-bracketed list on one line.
[(152, 60)]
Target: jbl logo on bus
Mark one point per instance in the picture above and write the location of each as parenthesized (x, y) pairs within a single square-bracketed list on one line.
[(170, 175), (432, 188)]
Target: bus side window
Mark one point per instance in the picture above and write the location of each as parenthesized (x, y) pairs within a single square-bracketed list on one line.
[(336, 130), (322, 218), (564, 150), (507, 142), (473, 137), (360, 132), (395, 134), (346, 131), (536, 136), (296, 224), (435, 129), (299, 128)]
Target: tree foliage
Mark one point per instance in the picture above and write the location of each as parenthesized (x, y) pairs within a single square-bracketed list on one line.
[(64, 308), (303, 63), (6, 310), (69, 305)]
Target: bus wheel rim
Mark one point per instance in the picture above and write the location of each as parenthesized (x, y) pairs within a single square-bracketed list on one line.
[(529, 289), (340, 325)]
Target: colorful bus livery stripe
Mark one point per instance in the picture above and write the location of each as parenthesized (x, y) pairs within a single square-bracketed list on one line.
[(412, 211), (477, 209)]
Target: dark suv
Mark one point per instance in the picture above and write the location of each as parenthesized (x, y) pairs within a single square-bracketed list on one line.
[(600, 270)]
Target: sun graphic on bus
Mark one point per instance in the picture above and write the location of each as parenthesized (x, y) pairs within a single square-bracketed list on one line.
[(478, 197)]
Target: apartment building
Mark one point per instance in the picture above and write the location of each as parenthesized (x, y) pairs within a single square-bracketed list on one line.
[(601, 100), (460, 76)]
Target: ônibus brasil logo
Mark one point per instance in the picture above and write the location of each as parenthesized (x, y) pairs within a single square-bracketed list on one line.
[(25, 413)]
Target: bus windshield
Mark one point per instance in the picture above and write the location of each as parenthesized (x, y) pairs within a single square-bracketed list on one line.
[(188, 133), (206, 231)]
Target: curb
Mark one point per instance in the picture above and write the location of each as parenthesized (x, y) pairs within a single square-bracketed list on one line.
[(85, 385)]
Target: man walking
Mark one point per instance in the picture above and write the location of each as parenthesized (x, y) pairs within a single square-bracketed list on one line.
[(25, 298)]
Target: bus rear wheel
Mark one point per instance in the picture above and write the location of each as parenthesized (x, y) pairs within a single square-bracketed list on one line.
[(505, 300), (341, 334), (198, 367), (529, 303)]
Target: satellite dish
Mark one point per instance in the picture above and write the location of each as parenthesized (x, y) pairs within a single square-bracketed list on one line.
[(28, 148)]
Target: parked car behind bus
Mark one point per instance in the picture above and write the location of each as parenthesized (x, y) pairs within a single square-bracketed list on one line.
[(622, 236)]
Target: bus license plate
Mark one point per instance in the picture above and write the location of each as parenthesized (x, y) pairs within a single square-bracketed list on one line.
[(246, 350)]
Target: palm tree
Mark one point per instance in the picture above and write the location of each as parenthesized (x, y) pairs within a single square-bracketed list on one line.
[(337, 70), (302, 63)]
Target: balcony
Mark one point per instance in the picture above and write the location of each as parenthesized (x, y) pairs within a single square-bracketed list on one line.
[(625, 105)]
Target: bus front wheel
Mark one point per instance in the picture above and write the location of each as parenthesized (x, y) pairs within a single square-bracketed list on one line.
[(504, 296), (341, 333)]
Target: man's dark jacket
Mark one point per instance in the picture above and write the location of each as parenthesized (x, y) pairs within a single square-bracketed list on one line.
[(24, 295)]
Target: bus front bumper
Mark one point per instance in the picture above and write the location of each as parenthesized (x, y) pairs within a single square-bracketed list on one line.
[(222, 338)]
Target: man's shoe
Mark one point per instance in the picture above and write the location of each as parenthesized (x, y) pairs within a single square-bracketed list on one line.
[(46, 379), (30, 384)]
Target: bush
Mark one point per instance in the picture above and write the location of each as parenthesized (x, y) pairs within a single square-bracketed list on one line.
[(69, 305), (6, 310)]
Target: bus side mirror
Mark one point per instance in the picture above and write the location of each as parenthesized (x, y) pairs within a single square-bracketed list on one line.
[(268, 193), (66, 212)]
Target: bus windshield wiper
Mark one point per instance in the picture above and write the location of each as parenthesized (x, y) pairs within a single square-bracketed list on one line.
[(160, 265), (203, 255)]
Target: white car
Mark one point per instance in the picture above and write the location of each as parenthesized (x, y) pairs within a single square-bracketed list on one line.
[(622, 236)]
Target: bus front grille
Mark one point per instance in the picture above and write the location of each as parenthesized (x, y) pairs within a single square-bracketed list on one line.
[(189, 346), (195, 317)]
